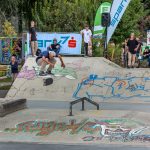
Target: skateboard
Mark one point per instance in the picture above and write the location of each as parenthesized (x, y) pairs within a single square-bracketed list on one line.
[(47, 81)]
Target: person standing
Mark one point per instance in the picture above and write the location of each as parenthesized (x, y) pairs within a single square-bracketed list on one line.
[(14, 67), (33, 39), (133, 46), (87, 34), (146, 55), (56, 48)]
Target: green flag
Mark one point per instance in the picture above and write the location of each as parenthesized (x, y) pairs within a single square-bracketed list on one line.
[(98, 29)]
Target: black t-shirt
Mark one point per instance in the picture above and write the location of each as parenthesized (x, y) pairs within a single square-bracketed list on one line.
[(14, 67), (132, 44), (147, 54), (54, 46), (33, 34)]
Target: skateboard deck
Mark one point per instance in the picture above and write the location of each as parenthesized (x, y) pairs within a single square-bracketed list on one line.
[(47, 81)]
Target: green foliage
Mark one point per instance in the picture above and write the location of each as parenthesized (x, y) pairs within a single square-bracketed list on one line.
[(130, 21), (8, 29), (71, 15)]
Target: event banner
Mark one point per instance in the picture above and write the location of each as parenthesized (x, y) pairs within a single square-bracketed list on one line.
[(117, 11), (70, 43), (98, 29), (148, 37)]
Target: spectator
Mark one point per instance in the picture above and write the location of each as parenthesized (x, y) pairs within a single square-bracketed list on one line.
[(124, 52), (87, 34), (46, 58), (55, 47), (14, 67), (139, 50), (146, 55), (33, 39), (133, 46)]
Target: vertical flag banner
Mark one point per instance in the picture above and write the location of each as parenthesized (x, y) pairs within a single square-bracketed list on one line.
[(117, 11), (98, 29)]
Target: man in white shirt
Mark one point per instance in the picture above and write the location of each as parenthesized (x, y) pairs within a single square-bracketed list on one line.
[(87, 34)]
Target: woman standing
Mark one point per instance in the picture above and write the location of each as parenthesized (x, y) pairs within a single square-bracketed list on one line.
[(133, 46)]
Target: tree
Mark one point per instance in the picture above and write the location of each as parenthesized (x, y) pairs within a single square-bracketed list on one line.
[(130, 21), (8, 29), (71, 15)]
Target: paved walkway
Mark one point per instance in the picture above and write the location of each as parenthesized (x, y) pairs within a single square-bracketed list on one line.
[(17, 146)]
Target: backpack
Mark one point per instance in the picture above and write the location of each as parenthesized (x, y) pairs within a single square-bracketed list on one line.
[(38, 52)]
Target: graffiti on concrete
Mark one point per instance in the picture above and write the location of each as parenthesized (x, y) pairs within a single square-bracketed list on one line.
[(10, 46), (45, 128), (113, 130), (113, 87), (117, 130), (67, 72), (25, 73), (70, 72)]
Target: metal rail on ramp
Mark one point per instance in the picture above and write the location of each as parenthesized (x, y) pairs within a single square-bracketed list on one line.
[(83, 104)]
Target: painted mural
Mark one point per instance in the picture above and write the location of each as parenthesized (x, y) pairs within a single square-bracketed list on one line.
[(9, 47), (122, 130), (107, 87)]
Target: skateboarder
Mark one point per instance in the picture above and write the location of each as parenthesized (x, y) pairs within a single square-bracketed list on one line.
[(46, 58)]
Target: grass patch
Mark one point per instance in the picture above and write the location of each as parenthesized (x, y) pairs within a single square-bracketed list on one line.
[(6, 80), (7, 87), (2, 73)]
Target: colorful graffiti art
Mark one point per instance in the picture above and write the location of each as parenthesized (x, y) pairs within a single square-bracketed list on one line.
[(120, 130), (6, 52), (67, 72), (113, 87), (70, 72), (9, 47), (27, 74), (113, 130)]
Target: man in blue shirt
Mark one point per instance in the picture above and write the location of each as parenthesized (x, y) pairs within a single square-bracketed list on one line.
[(46, 58)]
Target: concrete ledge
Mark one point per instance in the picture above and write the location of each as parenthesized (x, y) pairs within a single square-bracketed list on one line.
[(7, 107)]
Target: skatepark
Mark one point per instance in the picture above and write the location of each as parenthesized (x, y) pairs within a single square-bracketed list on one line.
[(64, 90), (123, 96)]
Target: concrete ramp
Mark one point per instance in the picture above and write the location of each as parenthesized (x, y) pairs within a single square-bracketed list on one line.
[(95, 78)]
